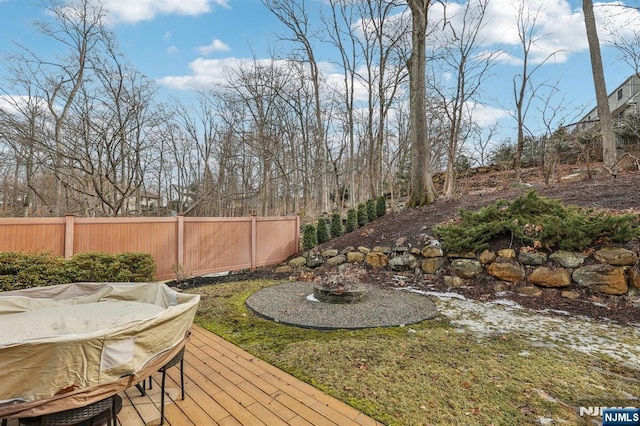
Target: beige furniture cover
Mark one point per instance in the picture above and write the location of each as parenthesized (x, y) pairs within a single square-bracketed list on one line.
[(69, 345)]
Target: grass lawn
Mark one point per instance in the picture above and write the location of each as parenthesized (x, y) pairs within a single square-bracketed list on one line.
[(428, 373)]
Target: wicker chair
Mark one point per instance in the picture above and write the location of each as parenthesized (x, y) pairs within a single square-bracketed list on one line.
[(106, 409)]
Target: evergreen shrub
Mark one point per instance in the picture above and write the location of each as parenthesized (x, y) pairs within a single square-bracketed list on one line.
[(352, 220), (372, 212), (322, 231), (536, 221), (336, 225), (381, 206), (363, 217), (309, 236)]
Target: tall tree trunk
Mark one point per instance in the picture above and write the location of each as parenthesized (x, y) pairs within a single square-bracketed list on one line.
[(604, 113), (422, 189)]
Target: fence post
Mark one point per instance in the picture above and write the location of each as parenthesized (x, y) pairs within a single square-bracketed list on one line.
[(69, 224), (254, 242), (297, 233), (180, 241)]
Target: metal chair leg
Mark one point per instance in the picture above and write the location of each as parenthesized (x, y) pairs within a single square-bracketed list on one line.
[(164, 374), (182, 377)]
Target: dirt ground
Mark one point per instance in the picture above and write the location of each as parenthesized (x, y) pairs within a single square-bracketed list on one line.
[(411, 226)]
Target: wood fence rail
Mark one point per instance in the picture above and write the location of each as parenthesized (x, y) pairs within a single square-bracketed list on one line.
[(193, 245)]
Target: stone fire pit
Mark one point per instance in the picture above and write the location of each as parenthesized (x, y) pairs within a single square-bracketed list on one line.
[(349, 294)]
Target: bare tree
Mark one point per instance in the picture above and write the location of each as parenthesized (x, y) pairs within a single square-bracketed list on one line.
[(77, 26), (459, 57), (524, 90), (602, 98), (295, 16), (22, 127), (422, 189), (382, 45)]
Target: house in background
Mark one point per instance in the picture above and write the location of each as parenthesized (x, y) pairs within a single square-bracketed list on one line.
[(624, 103), (143, 202)]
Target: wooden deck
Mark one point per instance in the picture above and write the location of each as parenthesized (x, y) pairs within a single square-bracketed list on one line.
[(227, 386)]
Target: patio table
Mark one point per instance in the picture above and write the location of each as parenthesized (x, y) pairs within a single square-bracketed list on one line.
[(64, 347)]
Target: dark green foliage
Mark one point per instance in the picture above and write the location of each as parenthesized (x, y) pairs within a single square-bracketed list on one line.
[(135, 267), (91, 267), (309, 236), (322, 231), (363, 217), (352, 220), (336, 225), (381, 206), (372, 213), (25, 270), (532, 220)]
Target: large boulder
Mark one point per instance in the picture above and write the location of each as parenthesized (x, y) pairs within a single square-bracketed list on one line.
[(376, 259), (487, 256), (405, 262), (506, 271), (355, 257), (550, 277), (568, 259), (431, 251), (432, 265), (634, 276), (603, 278), (466, 268), (337, 260), (532, 258), (298, 262), (616, 256)]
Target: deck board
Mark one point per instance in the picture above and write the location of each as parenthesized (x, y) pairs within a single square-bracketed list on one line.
[(227, 386)]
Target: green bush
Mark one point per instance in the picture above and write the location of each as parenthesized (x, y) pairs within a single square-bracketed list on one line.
[(381, 206), (532, 220), (91, 267), (363, 217), (352, 220), (33, 269), (135, 267), (372, 213), (336, 225), (25, 270), (309, 237), (322, 231)]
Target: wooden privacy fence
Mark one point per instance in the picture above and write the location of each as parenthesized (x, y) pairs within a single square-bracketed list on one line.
[(195, 245)]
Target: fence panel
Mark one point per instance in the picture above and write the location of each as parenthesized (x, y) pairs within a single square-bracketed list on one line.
[(156, 236), (276, 240), (195, 246), (212, 245), (41, 234)]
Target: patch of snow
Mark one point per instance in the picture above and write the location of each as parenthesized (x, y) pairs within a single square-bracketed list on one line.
[(540, 328), (506, 302)]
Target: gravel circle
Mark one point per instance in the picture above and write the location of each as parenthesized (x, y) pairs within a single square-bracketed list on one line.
[(292, 303)]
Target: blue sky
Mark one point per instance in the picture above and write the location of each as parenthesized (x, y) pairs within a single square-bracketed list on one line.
[(183, 44)]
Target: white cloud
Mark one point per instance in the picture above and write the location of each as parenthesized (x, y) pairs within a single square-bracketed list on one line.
[(173, 50), (167, 36), (485, 115), (557, 27), (132, 11), (215, 46), (206, 73)]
